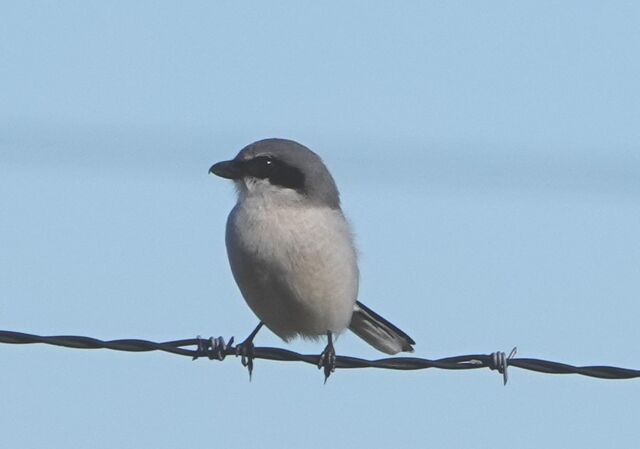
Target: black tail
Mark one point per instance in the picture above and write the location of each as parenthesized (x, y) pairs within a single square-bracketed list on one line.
[(378, 332)]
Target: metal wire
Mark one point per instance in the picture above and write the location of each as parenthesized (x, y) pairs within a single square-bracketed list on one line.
[(218, 349)]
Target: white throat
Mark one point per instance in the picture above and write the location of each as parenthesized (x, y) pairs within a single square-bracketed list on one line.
[(262, 191)]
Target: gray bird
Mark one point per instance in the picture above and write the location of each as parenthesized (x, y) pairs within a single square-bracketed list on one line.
[(292, 254)]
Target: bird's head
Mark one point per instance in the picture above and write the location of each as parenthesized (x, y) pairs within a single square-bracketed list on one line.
[(282, 171)]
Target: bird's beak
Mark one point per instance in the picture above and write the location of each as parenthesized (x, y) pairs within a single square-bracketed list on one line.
[(227, 169)]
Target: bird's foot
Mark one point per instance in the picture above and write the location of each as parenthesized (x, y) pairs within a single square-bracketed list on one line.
[(328, 359), (246, 350)]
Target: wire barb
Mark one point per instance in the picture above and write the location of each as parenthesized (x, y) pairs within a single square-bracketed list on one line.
[(500, 361), (218, 349), (212, 348)]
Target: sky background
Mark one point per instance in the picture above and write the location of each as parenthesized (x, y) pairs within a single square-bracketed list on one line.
[(488, 156)]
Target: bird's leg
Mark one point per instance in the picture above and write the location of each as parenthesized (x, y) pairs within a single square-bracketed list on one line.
[(245, 349), (328, 358)]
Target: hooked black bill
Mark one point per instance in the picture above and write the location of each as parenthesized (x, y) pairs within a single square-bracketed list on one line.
[(227, 169)]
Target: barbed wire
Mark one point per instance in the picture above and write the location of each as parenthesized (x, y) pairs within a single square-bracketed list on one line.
[(218, 349)]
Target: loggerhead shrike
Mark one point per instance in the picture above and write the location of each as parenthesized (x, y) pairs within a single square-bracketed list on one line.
[(292, 254)]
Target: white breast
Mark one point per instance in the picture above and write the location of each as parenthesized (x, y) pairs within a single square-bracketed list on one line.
[(296, 266)]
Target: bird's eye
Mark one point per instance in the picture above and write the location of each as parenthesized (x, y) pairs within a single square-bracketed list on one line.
[(277, 171), (261, 166)]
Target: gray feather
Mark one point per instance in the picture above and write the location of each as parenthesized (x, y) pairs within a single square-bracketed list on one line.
[(378, 332)]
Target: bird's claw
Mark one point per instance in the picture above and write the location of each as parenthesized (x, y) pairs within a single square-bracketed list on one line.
[(327, 361), (246, 352)]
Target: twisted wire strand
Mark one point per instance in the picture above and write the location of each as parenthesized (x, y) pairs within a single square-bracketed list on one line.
[(218, 349)]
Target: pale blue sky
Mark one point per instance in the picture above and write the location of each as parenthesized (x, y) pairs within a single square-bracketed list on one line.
[(488, 155)]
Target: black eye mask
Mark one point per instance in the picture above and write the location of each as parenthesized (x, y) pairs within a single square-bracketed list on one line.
[(277, 172)]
